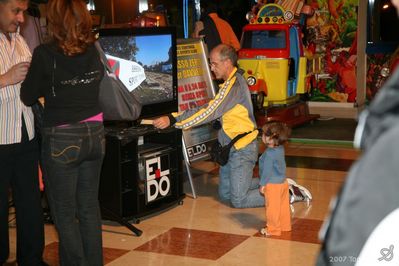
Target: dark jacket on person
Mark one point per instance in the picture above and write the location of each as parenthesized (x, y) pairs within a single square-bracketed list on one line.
[(69, 84), (370, 193), (210, 32)]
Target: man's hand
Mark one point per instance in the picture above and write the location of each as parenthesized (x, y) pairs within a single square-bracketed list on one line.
[(262, 189), (16, 74), (199, 26), (161, 122)]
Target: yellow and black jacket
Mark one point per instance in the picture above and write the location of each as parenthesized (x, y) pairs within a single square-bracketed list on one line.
[(232, 106)]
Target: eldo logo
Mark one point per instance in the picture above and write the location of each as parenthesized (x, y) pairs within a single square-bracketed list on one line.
[(158, 182), (196, 150)]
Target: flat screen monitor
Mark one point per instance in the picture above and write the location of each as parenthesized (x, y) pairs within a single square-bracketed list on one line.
[(144, 59)]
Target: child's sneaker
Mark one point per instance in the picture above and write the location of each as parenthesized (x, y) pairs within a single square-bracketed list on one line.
[(298, 192), (264, 232)]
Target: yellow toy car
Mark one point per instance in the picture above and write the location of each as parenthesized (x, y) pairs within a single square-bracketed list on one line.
[(272, 57)]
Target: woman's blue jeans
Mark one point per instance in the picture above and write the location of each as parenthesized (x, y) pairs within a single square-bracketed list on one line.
[(72, 158), (235, 178)]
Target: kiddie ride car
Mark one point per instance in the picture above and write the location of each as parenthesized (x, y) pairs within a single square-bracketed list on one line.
[(275, 68)]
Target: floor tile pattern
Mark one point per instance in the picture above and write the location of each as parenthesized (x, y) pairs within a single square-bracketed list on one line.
[(193, 243), (51, 254)]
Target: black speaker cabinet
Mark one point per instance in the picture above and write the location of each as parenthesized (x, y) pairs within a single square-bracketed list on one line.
[(141, 173)]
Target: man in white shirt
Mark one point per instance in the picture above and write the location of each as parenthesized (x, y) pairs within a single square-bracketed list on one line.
[(18, 147)]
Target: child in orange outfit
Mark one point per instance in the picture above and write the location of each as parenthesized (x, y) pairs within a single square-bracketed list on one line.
[(273, 183)]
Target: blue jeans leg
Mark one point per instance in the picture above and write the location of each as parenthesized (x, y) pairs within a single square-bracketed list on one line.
[(241, 165), (88, 211), (61, 194), (224, 183)]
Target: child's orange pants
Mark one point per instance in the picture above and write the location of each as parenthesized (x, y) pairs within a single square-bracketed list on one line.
[(278, 214)]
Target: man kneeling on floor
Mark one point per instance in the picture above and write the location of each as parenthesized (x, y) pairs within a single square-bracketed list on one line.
[(232, 107)]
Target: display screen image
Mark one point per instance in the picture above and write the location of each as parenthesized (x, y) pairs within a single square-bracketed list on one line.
[(264, 39), (144, 60)]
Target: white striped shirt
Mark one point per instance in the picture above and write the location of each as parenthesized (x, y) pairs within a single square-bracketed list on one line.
[(11, 107)]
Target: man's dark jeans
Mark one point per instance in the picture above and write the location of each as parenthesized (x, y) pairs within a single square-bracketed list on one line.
[(72, 158), (19, 171)]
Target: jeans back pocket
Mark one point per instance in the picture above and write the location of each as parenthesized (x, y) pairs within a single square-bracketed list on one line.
[(65, 150)]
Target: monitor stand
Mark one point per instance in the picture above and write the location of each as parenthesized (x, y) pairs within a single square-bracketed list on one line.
[(121, 221)]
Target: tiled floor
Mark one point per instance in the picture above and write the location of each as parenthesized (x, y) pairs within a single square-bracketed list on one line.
[(203, 231)]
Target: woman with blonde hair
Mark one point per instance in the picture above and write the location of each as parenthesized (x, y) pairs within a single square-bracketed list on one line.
[(67, 72)]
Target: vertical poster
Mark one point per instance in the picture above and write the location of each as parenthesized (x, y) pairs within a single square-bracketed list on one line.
[(331, 36), (195, 88)]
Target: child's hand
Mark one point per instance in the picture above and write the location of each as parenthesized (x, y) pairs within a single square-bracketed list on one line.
[(262, 189)]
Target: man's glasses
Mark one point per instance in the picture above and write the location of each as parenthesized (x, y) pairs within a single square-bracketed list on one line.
[(215, 64)]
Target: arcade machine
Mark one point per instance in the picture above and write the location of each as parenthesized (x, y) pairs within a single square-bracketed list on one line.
[(275, 67), (142, 169)]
